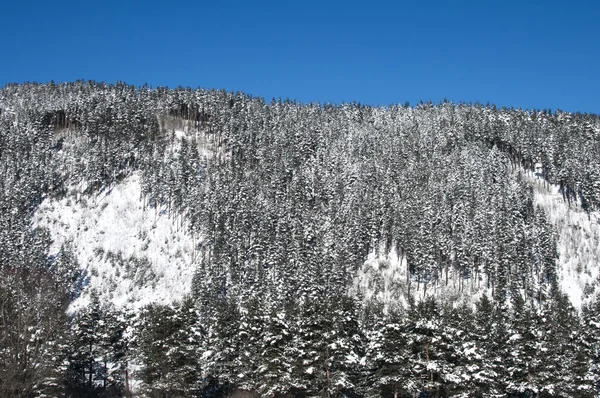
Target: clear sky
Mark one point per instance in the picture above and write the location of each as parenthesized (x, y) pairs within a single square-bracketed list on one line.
[(529, 54)]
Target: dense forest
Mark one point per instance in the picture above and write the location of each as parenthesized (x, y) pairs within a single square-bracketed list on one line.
[(287, 204)]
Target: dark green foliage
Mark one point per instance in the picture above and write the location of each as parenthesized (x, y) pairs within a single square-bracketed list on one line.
[(33, 333), (97, 352), (168, 346)]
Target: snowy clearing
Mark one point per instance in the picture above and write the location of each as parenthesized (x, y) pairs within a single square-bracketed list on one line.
[(132, 255), (578, 241)]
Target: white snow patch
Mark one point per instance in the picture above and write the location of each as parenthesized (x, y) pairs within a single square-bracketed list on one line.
[(133, 255), (578, 241), (383, 279)]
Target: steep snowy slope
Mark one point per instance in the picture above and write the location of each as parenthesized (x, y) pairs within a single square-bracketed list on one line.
[(578, 241), (132, 254)]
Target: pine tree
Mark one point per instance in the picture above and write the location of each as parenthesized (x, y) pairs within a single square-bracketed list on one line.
[(274, 375), (523, 363), (167, 345), (387, 356)]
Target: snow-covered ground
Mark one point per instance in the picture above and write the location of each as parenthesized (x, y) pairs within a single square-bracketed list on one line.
[(132, 255), (578, 241), (383, 279)]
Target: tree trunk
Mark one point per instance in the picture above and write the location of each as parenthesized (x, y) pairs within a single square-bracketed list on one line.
[(91, 368), (193, 247), (127, 389), (105, 375), (447, 261)]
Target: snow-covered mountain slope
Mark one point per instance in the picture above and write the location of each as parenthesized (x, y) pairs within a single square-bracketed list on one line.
[(133, 255), (383, 276), (578, 242)]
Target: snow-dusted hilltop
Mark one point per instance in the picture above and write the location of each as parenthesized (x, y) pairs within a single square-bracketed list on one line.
[(160, 242)]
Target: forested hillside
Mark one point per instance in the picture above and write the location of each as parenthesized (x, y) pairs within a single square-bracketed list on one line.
[(179, 243)]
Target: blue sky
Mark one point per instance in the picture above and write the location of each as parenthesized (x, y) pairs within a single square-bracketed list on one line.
[(529, 54)]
